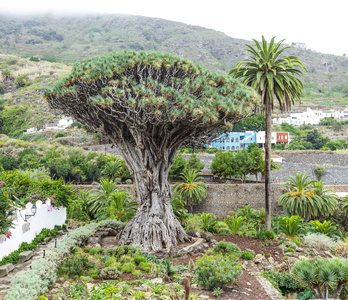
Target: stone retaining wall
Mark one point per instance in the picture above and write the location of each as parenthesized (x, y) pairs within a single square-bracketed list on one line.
[(223, 198)]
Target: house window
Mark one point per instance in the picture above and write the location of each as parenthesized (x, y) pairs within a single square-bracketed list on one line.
[(223, 148), (251, 139), (237, 140), (228, 140), (228, 148), (232, 140), (237, 148), (233, 148), (278, 137)]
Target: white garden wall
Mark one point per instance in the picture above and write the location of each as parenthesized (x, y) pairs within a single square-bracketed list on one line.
[(45, 217)]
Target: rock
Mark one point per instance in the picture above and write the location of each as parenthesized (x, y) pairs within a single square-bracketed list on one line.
[(207, 236), (315, 252), (298, 249), (259, 259), (302, 257), (282, 267), (271, 260), (47, 239), (61, 232), (94, 241), (213, 242), (193, 233), (162, 254), (329, 254), (24, 256), (157, 280), (291, 261), (203, 297), (89, 286), (5, 269)]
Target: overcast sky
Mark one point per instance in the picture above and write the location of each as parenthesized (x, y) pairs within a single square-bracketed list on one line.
[(321, 25)]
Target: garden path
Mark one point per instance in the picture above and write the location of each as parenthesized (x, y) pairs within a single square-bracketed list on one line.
[(21, 268)]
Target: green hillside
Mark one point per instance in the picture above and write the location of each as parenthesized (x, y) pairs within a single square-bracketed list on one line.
[(60, 41)]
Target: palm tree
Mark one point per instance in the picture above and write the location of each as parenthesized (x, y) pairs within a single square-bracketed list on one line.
[(274, 77), (191, 191), (100, 198), (119, 207), (307, 198)]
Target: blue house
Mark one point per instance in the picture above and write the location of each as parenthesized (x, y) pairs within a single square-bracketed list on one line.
[(235, 140)]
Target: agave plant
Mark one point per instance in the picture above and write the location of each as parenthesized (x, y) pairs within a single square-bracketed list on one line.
[(112, 168), (307, 198), (291, 227), (191, 191)]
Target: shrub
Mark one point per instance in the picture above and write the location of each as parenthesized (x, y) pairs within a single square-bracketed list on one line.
[(112, 262), (194, 223), (265, 235), (284, 282), (286, 250), (76, 266), (342, 249), (60, 134), (247, 255), (126, 259), (109, 273), (95, 250), (121, 250), (319, 241), (227, 248), (128, 268), (216, 271), (93, 273), (137, 273), (319, 171), (138, 259), (145, 266)]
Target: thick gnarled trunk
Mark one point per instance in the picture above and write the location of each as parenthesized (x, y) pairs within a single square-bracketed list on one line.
[(154, 226)]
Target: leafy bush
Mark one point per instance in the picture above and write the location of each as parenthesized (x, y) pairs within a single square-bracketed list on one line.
[(325, 228), (128, 268), (145, 266), (126, 259), (121, 250), (209, 222), (342, 250), (60, 134), (292, 226), (227, 248), (76, 266), (112, 262), (284, 282), (247, 255), (138, 259), (95, 250), (43, 274), (319, 171), (265, 235), (109, 273), (286, 250), (217, 271)]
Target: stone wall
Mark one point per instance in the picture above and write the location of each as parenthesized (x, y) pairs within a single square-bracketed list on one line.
[(223, 198)]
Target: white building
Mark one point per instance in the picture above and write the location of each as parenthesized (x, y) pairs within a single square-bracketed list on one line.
[(65, 122), (308, 117)]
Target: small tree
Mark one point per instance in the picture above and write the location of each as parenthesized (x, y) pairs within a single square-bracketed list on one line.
[(180, 164), (194, 163), (319, 171), (191, 191), (224, 165)]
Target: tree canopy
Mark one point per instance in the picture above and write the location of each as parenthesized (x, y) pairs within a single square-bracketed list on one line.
[(149, 104)]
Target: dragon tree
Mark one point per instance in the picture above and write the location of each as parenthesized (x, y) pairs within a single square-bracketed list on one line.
[(148, 104)]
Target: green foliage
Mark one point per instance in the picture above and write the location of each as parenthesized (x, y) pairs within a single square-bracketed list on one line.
[(96, 250), (289, 249), (292, 226), (265, 235), (239, 224), (284, 282), (227, 248), (122, 250), (289, 128), (194, 163), (179, 209), (247, 255), (217, 271), (324, 228), (322, 275), (76, 266), (307, 198), (191, 191), (178, 167), (128, 268), (60, 134), (319, 171), (109, 273), (209, 222), (13, 119), (252, 123), (145, 266), (138, 259)]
